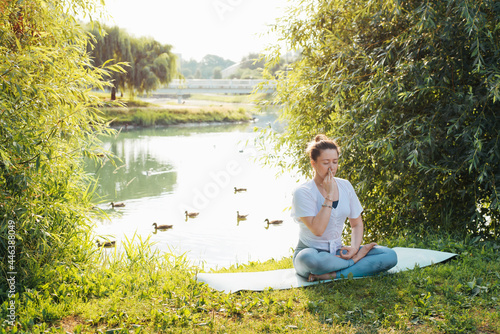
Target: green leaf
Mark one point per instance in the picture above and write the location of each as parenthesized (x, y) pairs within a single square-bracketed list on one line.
[(411, 93)]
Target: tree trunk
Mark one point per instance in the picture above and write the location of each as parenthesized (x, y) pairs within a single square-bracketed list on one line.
[(113, 94)]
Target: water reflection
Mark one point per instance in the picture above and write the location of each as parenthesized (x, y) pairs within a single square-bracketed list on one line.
[(137, 174), (165, 172)]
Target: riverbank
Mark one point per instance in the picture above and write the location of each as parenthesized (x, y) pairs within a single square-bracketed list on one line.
[(163, 116), (163, 111), (141, 291)]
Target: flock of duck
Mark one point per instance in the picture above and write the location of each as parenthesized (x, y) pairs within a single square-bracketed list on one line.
[(188, 215)]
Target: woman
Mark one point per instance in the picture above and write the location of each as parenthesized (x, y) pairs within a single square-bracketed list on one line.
[(320, 206)]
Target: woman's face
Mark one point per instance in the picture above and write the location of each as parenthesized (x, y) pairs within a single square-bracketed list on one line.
[(327, 159)]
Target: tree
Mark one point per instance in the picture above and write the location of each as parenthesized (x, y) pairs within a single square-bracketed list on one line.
[(217, 73), (210, 62), (253, 65), (189, 67), (152, 64), (48, 122), (205, 68), (197, 75), (410, 90), (253, 61), (111, 44), (186, 73)]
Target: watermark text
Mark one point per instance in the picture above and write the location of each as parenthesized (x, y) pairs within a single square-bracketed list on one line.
[(11, 273), (222, 7), (218, 181)]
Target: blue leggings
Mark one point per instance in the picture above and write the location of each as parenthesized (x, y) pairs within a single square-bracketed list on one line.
[(311, 261)]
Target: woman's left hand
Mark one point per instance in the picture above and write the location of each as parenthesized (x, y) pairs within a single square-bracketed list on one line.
[(347, 252)]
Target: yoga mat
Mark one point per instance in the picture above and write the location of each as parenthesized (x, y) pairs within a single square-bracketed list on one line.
[(408, 258)]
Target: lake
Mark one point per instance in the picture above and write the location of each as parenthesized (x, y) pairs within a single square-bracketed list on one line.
[(166, 171)]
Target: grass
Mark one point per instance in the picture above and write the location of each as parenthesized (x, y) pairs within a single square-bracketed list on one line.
[(166, 116), (136, 112), (143, 291), (140, 113)]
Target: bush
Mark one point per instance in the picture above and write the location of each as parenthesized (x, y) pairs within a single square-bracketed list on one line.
[(410, 90), (47, 124)]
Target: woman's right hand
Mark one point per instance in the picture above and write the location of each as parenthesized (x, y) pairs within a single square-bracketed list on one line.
[(330, 185)]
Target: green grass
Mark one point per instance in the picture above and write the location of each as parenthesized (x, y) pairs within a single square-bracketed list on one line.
[(142, 291), (129, 111), (168, 116)]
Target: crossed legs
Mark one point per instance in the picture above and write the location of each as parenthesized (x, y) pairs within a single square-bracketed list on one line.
[(320, 265)]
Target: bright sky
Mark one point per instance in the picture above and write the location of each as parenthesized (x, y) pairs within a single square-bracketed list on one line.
[(195, 28)]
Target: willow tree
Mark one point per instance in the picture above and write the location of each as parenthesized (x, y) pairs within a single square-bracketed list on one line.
[(410, 90), (48, 122), (111, 44), (150, 63)]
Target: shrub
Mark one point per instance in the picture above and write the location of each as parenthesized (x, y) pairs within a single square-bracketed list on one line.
[(47, 124), (410, 90)]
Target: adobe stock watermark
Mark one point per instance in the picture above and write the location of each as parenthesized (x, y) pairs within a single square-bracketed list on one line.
[(11, 273), (219, 180), (222, 7)]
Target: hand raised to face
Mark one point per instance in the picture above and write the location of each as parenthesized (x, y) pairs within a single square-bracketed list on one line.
[(329, 183)]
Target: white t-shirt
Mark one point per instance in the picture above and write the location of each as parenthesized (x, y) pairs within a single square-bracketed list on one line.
[(307, 201)]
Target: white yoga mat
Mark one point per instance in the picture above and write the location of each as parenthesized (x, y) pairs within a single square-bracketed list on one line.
[(408, 258)]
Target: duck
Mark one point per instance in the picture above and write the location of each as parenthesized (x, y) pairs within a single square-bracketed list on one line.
[(162, 227), (273, 222), (106, 244), (237, 190), (192, 214), (241, 217), (117, 205)]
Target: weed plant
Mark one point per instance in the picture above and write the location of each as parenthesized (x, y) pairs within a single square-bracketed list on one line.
[(164, 116), (140, 290)]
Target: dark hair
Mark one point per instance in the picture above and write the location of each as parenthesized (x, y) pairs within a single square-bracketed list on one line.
[(320, 143)]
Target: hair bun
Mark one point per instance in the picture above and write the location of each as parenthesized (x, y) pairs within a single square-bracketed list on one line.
[(319, 143), (319, 138)]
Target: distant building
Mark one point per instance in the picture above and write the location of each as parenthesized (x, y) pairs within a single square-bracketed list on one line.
[(228, 71)]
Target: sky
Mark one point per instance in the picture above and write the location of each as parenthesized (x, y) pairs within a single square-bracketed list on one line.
[(227, 28)]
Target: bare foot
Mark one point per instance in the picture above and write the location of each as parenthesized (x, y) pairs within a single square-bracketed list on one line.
[(321, 277), (363, 251), (361, 254)]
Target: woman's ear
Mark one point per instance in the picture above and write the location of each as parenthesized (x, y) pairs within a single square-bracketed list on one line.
[(313, 164)]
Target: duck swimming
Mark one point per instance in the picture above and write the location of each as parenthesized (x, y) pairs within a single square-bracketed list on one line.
[(162, 227), (240, 217), (106, 244), (273, 222), (192, 214)]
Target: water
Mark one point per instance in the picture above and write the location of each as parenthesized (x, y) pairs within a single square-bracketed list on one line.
[(167, 171)]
